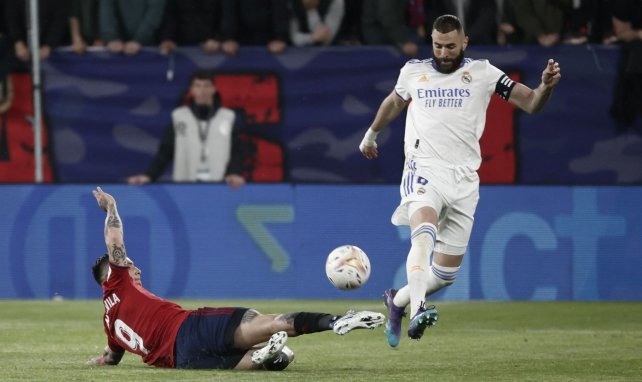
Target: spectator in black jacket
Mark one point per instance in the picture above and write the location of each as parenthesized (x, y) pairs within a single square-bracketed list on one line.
[(126, 26), (383, 22), (83, 25), (255, 22), (191, 22), (627, 100), (53, 16), (479, 17)]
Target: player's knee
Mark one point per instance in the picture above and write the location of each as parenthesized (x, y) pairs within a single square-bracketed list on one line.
[(444, 276), (423, 237)]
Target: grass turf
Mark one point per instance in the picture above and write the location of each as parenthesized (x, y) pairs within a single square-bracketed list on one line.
[(473, 341)]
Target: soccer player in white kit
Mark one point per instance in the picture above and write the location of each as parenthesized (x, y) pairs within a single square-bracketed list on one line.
[(447, 97)]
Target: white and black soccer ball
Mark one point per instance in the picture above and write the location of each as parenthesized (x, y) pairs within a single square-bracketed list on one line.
[(347, 267)]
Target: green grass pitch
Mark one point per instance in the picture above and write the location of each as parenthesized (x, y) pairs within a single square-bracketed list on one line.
[(473, 341)]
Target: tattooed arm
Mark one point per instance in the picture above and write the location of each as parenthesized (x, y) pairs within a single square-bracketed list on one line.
[(113, 228)]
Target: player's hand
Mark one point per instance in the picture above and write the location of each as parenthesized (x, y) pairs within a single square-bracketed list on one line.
[(368, 145), (104, 200), (369, 150), (552, 74), (96, 361)]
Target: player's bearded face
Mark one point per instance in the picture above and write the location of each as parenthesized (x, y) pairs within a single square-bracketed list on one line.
[(448, 50), (448, 64)]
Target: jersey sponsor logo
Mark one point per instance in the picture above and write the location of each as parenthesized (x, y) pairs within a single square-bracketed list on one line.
[(443, 93), (443, 97)]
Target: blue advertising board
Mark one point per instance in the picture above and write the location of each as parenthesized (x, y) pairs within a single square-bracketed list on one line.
[(271, 241)]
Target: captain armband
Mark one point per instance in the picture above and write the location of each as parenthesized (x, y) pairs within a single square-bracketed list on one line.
[(504, 87)]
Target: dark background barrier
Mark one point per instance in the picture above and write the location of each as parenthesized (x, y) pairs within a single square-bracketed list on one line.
[(271, 241), (107, 112)]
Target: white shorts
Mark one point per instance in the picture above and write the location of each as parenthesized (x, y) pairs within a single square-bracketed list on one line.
[(452, 192)]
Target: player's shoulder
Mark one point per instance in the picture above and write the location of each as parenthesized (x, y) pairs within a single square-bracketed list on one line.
[(416, 61), (181, 111), (482, 67), (476, 62), (417, 65), (227, 113)]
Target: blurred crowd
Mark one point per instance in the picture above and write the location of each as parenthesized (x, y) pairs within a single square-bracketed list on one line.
[(124, 26)]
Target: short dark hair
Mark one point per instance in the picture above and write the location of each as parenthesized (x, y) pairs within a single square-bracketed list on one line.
[(447, 23), (100, 267), (201, 74)]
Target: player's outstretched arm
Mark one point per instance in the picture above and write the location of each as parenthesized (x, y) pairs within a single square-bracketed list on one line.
[(390, 108), (109, 357), (533, 100), (113, 228)]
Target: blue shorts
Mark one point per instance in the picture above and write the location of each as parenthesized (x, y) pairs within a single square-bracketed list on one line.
[(205, 340)]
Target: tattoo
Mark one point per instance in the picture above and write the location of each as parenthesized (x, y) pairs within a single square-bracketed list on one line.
[(117, 253), (112, 358), (249, 315), (102, 203), (287, 317), (114, 221)]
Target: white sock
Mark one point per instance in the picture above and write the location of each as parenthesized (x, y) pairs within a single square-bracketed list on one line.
[(402, 298), (417, 264), (439, 277)]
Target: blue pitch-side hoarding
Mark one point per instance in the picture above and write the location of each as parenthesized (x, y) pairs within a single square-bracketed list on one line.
[(270, 241)]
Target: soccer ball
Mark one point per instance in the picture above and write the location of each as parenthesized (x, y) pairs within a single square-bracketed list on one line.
[(347, 267)]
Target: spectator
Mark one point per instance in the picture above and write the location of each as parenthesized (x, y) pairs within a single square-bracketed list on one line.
[(255, 22), (3, 27), (478, 17), (535, 21), (191, 22), (383, 22), (202, 140), (601, 30), (126, 25), (350, 30), (627, 22), (6, 97), (315, 22), (417, 17), (83, 25), (582, 19), (53, 15)]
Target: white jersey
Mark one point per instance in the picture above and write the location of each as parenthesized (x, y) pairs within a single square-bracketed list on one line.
[(446, 117)]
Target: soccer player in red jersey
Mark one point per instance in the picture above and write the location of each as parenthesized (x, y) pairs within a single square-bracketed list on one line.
[(166, 335)]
